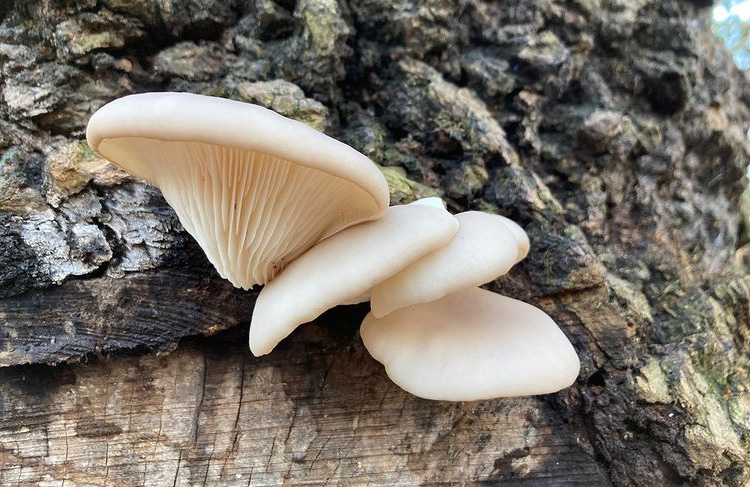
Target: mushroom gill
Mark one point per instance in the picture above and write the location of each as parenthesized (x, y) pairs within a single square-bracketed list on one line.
[(255, 189)]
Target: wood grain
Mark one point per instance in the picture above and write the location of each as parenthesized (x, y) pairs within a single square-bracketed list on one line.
[(150, 311), (319, 411)]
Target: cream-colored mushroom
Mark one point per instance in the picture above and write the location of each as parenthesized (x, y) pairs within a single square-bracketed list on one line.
[(486, 246), (254, 188), (521, 238), (434, 201), (471, 345), (344, 267)]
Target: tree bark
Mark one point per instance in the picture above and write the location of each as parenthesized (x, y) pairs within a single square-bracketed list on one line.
[(614, 132)]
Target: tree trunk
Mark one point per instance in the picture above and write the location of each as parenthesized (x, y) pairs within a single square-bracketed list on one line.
[(613, 131)]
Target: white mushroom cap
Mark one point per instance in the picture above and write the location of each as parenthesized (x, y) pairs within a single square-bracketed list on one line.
[(522, 239), (435, 201), (472, 345), (254, 188), (484, 248), (344, 267)]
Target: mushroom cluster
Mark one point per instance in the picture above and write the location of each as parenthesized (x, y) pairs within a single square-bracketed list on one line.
[(272, 201)]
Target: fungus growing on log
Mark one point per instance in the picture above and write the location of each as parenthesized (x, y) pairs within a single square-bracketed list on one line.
[(483, 249), (254, 188), (272, 201), (344, 267), (471, 345)]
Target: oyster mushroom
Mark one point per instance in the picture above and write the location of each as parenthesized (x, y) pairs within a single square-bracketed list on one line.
[(472, 345), (486, 246), (344, 267), (255, 189)]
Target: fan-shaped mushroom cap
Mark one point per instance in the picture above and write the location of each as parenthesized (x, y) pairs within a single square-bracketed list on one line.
[(254, 188), (344, 267), (484, 248), (471, 345)]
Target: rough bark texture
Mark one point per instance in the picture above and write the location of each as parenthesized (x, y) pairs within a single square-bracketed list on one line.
[(614, 131)]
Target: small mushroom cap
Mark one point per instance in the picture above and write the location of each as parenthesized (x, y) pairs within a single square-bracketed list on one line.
[(522, 239), (484, 248), (254, 188), (344, 267), (435, 201), (472, 345)]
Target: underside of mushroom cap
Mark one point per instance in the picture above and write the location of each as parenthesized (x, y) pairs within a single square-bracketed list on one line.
[(472, 345), (483, 249), (344, 267), (254, 188)]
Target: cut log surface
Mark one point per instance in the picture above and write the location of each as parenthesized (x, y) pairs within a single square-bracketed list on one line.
[(319, 411), (615, 133)]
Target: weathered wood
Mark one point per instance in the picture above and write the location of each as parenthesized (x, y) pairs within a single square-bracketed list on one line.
[(319, 411), (150, 311)]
